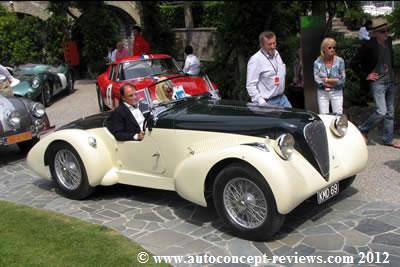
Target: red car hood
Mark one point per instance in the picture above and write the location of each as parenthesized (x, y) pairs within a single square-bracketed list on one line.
[(192, 85)]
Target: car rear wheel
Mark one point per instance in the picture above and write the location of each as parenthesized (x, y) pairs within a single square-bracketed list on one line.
[(70, 83), (68, 171), (46, 96), (244, 200), (102, 107), (27, 145)]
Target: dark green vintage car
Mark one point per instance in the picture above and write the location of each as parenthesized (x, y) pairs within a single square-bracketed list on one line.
[(41, 82)]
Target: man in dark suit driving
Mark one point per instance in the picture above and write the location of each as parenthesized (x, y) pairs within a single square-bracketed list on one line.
[(126, 121)]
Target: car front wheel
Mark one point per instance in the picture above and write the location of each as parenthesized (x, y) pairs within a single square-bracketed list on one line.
[(68, 171), (70, 83), (46, 95), (245, 202)]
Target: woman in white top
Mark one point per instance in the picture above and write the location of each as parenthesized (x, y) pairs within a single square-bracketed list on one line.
[(329, 75), (192, 63)]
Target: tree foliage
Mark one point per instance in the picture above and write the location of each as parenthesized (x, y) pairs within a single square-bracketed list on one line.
[(18, 43), (242, 22), (155, 28)]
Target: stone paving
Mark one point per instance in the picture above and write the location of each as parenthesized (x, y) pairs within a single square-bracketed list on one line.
[(166, 224)]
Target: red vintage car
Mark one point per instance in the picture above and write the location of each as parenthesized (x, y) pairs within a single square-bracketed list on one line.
[(146, 71)]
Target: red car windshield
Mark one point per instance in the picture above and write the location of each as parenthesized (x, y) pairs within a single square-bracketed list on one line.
[(148, 67)]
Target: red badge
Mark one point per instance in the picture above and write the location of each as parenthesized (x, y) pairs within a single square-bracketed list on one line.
[(276, 80)]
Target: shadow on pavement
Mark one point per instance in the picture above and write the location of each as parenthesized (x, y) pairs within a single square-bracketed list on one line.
[(10, 154), (393, 164)]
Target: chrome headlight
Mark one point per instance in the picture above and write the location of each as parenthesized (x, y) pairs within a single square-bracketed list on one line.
[(14, 119), (35, 83), (38, 110), (284, 145), (339, 125)]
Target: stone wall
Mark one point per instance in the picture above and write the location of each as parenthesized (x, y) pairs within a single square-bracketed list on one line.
[(203, 40)]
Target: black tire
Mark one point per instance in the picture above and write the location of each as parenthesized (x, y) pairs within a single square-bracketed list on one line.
[(46, 96), (346, 183), (70, 83), (79, 189), (257, 189), (27, 145), (100, 101)]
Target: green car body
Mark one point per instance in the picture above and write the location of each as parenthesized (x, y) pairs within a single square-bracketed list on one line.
[(41, 82)]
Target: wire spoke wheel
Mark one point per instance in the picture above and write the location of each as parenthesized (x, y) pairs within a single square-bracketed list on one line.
[(68, 169), (245, 203)]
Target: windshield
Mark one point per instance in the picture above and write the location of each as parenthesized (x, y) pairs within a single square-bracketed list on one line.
[(142, 68)]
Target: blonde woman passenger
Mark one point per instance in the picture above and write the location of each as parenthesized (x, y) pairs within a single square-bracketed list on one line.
[(330, 76), (164, 91)]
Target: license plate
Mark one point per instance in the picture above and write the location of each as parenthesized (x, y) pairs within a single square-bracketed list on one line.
[(327, 193), (16, 138)]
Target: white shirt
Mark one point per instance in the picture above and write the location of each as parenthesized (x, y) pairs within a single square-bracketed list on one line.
[(363, 33), (192, 65), (262, 71), (137, 114)]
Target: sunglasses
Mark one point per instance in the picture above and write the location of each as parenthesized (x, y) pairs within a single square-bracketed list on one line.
[(332, 47), (383, 31)]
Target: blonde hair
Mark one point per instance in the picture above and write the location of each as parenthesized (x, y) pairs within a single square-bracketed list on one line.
[(327, 41), (161, 89)]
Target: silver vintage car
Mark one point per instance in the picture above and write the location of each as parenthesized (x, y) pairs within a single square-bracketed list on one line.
[(22, 121)]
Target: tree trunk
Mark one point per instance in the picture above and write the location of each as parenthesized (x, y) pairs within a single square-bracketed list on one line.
[(318, 8), (187, 9)]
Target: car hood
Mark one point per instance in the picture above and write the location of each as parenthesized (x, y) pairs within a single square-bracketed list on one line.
[(11, 103), (21, 89), (192, 85), (235, 117), (33, 69)]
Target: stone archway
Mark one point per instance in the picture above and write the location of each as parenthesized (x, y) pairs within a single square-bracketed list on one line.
[(39, 8), (124, 23)]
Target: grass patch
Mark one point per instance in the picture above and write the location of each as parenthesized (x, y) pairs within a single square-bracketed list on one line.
[(33, 237)]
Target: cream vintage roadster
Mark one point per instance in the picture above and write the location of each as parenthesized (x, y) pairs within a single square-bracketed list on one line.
[(255, 164)]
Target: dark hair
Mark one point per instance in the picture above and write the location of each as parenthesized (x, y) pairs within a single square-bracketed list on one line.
[(122, 89), (188, 50), (136, 27), (368, 24)]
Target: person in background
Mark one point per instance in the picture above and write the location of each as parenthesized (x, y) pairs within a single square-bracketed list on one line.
[(329, 75), (140, 45), (126, 121), (295, 92), (298, 80), (5, 82), (266, 74), (375, 65), (363, 33), (119, 52), (192, 63)]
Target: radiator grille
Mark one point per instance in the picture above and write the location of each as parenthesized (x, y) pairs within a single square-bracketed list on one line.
[(315, 135)]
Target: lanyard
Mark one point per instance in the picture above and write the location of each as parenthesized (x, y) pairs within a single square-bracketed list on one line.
[(275, 69)]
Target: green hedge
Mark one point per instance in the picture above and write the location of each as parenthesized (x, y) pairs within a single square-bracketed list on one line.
[(205, 14)]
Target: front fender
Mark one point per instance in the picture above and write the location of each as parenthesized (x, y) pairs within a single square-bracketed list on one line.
[(192, 172), (97, 160), (291, 181)]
